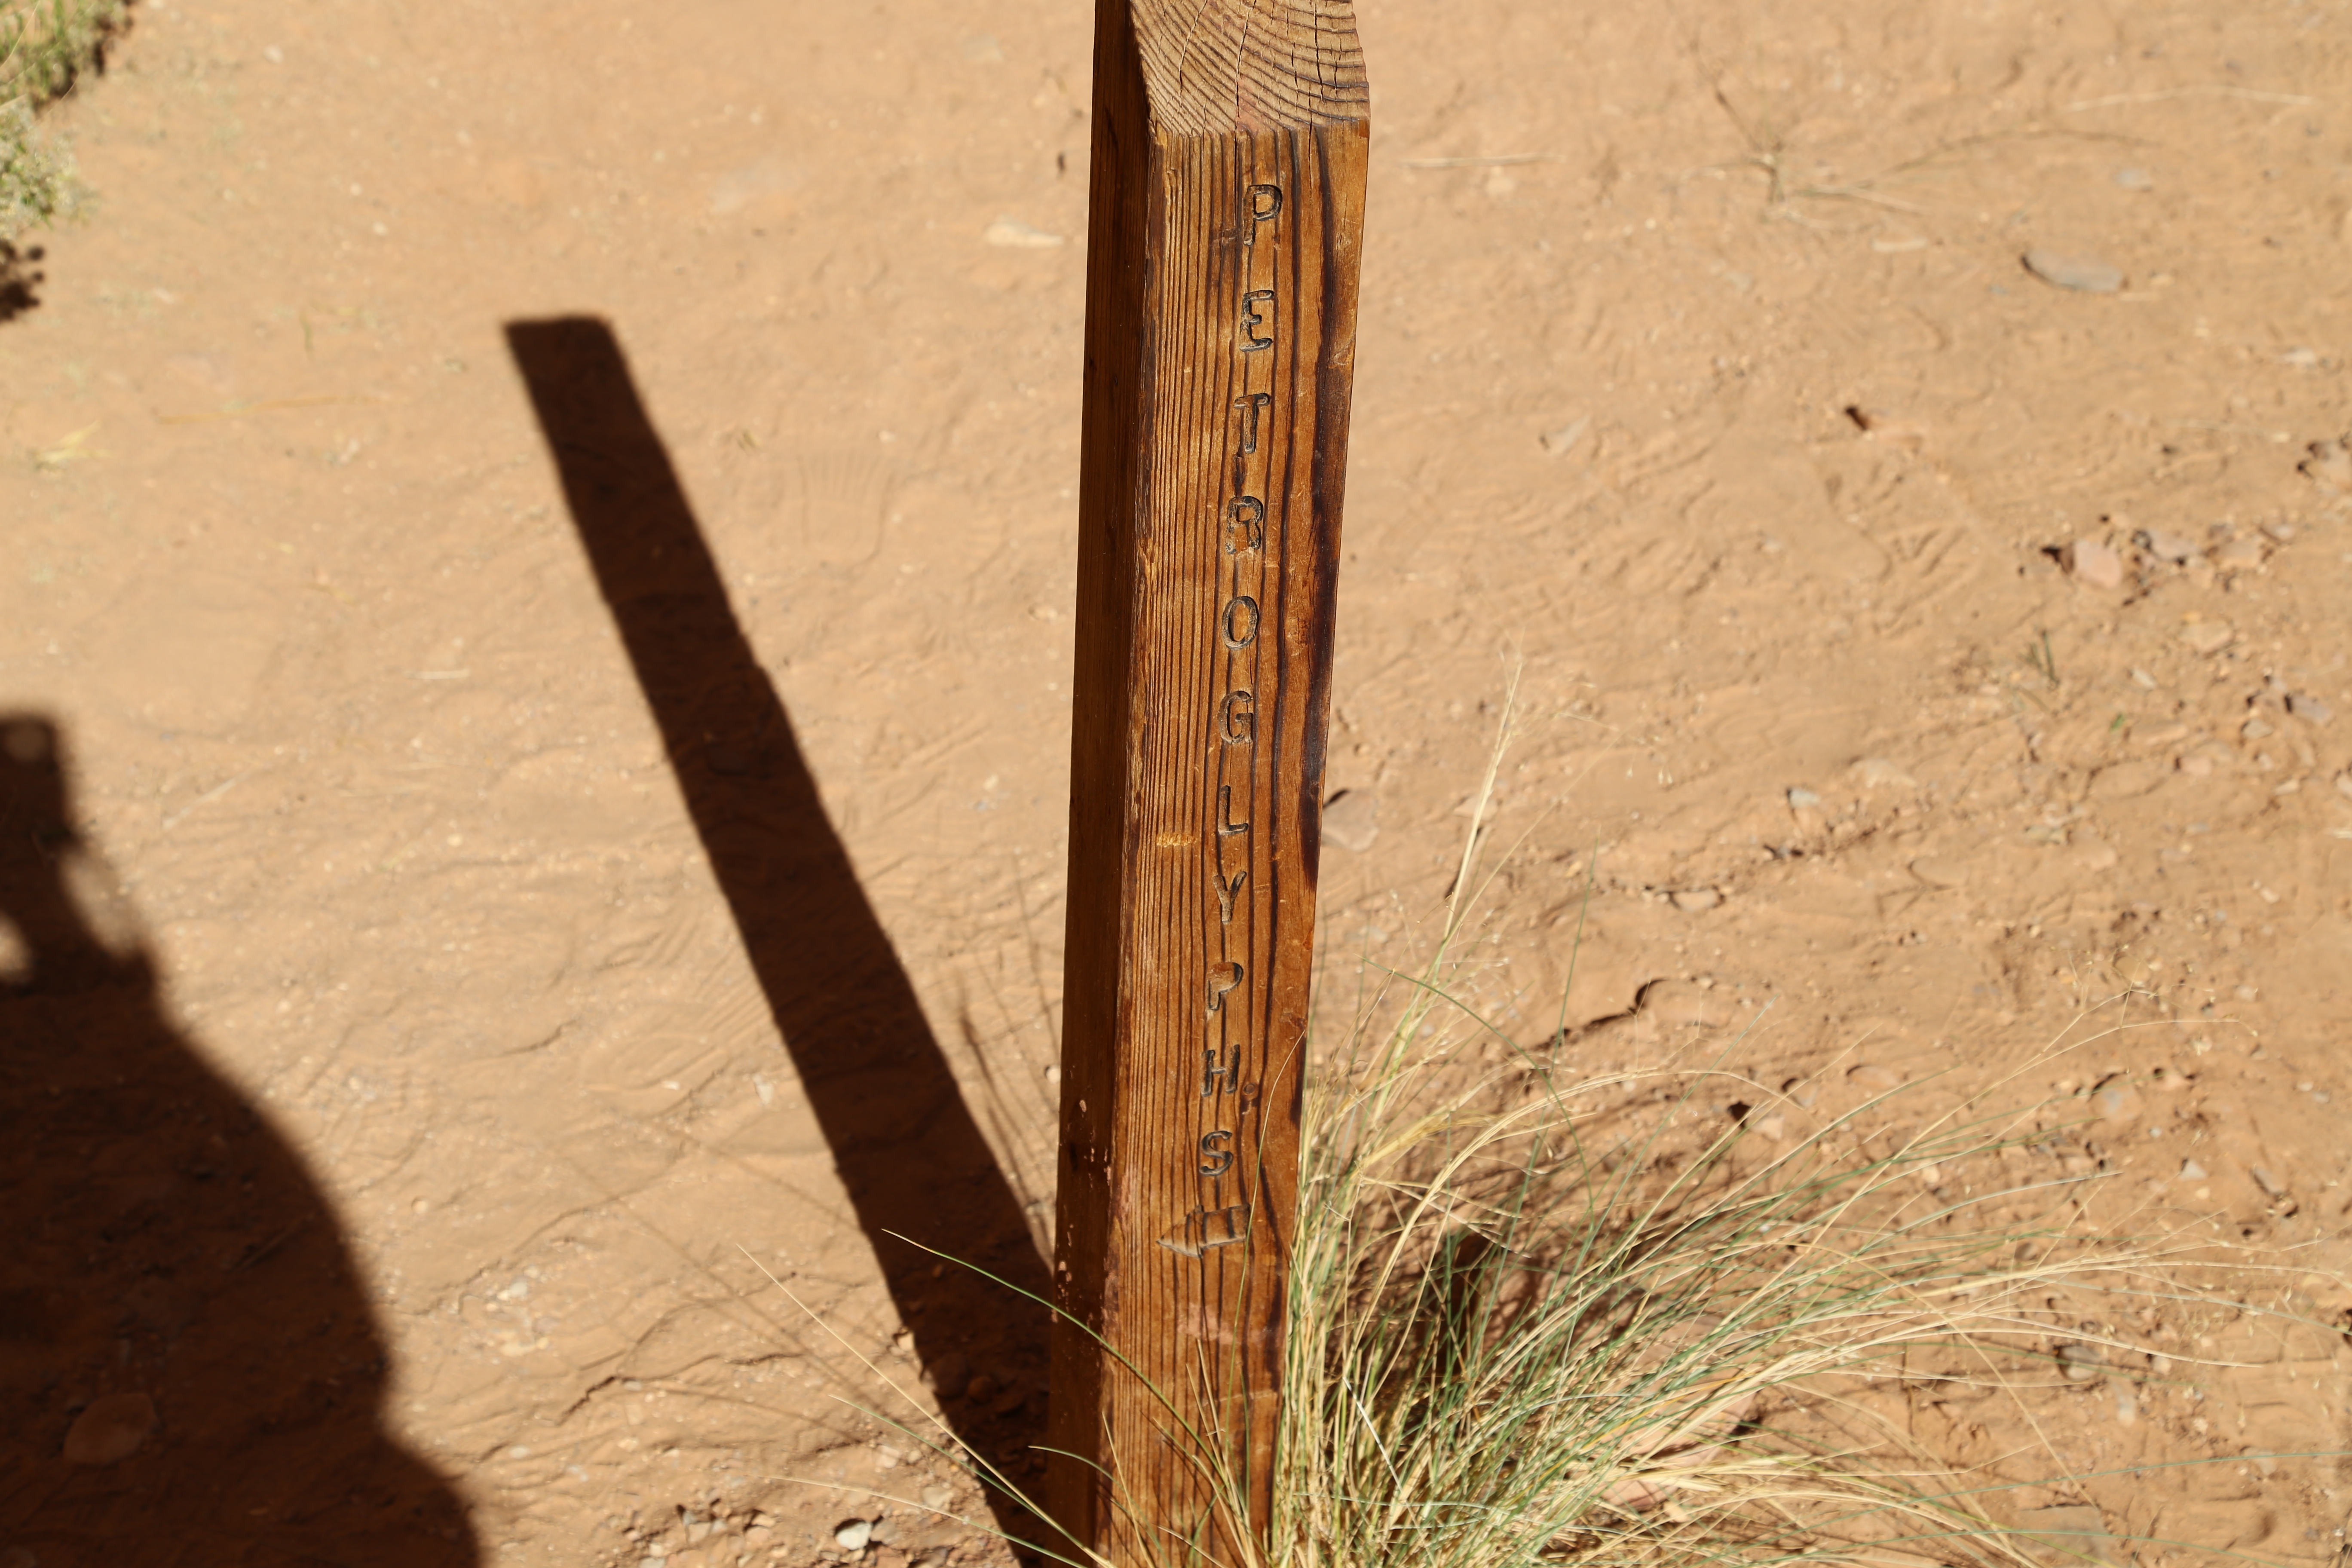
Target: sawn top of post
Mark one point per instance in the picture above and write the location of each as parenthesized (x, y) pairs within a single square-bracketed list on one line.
[(1213, 67)]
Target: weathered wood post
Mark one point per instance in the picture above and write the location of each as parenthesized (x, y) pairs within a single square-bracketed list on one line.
[(1230, 142)]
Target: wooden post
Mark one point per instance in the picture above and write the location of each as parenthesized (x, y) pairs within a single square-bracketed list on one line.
[(1230, 142)]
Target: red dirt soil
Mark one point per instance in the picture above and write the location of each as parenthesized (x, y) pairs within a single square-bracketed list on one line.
[(417, 1075)]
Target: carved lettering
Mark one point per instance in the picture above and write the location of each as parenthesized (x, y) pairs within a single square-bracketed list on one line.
[(1226, 826), (1265, 203), (1223, 978), (1252, 319), (1251, 404), (1215, 1158), (1237, 717), (1215, 1069), (1240, 622), (1227, 892), (1244, 524)]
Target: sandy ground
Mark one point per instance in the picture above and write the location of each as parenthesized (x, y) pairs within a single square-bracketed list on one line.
[(444, 992)]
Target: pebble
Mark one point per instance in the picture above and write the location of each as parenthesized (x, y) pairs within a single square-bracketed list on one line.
[(1802, 1092), (2136, 179), (2330, 463), (1938, 872), (981, 1388), (935, 1496), (2083, 274), (2190, 1171), (1558, 442), (1878, 772), (2207, 637), (2267, 1182), (851, 1535), (1870, 1076), (111, 1430), (2116, 1104), (1774, 1126), (1352, 819), (1695, 900), (2081, 1363), (2310, 710), (2343, 786), (2169, 547), (2092, 565), (1803, 800), (1018, 235)]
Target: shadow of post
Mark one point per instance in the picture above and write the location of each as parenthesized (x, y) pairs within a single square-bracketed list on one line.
[(908, 1148), (192, 1370)]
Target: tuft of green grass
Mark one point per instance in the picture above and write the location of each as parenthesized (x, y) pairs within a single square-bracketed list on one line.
[(44, 48)]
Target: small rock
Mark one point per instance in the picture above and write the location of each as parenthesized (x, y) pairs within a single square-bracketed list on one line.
[(2330, 464), (2300, 359), (2268, 1183), (1352, 819), (1772, 1125), (2116, 1104), (1803, 800), (758, 1535), (2083, 274), (2126, 1410), (111, 1430), (2092, 565), (935, 1496), (1695, 900), (1938, 872), (2240, 555), (1878, 772), (2207, 637), (1558, 442), (1018, 235), (852, 1534), (1870, 1076), (2280, 533), (2081, 1363), (2343, 786), (2310, 710), (1801, 1092), (2170, 548), (2135, 179), (2255, 730), (2190, 1171), (981, 1389)]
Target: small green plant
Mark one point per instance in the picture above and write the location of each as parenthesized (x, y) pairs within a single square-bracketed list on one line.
[(45, 46)]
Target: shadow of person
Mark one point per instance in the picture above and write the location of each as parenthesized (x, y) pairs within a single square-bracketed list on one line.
[(907, 1146), (192, 1371)]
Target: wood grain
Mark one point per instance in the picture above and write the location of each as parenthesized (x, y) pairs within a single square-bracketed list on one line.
[(1227, 221)]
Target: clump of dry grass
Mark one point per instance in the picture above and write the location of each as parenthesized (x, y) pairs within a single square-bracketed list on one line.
[(44, 48), (1530, 1328)]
